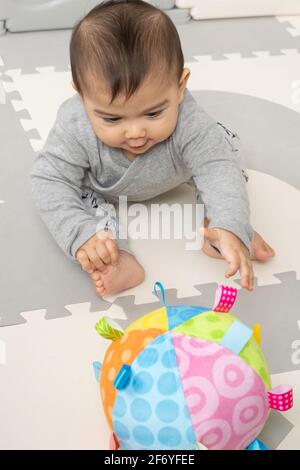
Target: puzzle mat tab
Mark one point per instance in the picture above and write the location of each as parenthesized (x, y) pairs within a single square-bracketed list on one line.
[(190, 278), (237, 8)]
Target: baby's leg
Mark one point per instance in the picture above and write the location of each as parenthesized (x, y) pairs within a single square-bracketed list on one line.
[(128, 272)]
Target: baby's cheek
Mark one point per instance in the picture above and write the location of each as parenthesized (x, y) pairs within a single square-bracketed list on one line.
[(165, 129), (107, 135)]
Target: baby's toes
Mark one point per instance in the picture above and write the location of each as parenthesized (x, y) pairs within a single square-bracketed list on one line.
[(99, 283), (101, 290), (96, 276), (269, 250)]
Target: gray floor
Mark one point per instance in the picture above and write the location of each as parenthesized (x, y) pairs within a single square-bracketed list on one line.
[(263, 129)]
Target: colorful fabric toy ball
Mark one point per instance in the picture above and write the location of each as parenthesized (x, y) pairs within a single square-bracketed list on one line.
[(186, 378)]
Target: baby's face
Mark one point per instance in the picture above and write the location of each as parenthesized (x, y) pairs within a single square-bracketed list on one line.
[(147, 118)]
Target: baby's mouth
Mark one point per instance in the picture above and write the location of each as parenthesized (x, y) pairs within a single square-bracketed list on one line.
[(136, 147)]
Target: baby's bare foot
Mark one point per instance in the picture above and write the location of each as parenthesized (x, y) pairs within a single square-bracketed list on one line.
[(126, 274), (261, 251)]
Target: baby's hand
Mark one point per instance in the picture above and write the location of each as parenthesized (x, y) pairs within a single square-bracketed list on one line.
[(98, 252), (235, 252)]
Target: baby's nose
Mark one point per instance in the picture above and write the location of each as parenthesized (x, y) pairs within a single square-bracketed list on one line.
[(136, 134)]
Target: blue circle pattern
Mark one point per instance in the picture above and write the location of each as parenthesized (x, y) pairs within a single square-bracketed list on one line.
[(190, 434), (169, 359), (148, 357), (121, 431), (159, 340), (143, 436), (182, 313), (140, 410), (167, 411), (152, 408), (169, 436), (120, 407), (142, 383), (168, 383)]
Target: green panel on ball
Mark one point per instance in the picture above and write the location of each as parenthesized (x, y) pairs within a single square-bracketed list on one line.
[(209, 325)]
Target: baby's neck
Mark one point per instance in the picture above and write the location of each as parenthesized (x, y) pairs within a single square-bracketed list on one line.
[(130, 156)]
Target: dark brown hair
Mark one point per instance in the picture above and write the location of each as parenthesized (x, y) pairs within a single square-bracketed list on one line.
[(121, 42)]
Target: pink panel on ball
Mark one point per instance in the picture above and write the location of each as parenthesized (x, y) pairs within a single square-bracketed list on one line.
[(226, 398)]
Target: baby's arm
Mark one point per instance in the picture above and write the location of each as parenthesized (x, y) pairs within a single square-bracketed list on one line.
[(219, 180), (56, 181)]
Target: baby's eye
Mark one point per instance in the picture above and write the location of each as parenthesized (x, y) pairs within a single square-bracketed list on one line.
[(111, 119), (151, 115), (156, 113)]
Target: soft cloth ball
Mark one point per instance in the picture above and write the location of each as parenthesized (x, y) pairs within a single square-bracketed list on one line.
[(185, 378)]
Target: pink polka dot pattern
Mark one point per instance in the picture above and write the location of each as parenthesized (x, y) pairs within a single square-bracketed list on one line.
[(225, 397), (281, 398), (225, 298)]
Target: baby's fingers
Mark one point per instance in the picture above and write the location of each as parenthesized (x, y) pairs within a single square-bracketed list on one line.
[(85, 262), (95, 257), (247, 275), (113, 250), (103, 252), (234, 264)]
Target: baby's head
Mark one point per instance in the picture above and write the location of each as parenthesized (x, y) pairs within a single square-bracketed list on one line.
[(128, 67)]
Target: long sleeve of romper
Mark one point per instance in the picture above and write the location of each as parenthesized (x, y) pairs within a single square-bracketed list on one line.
[(210, 157), (56, 179)]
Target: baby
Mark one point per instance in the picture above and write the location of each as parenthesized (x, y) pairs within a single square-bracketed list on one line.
[(133, 129)]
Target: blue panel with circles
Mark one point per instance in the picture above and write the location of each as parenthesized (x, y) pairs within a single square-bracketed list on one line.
[(151, 412), (182, 313)]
